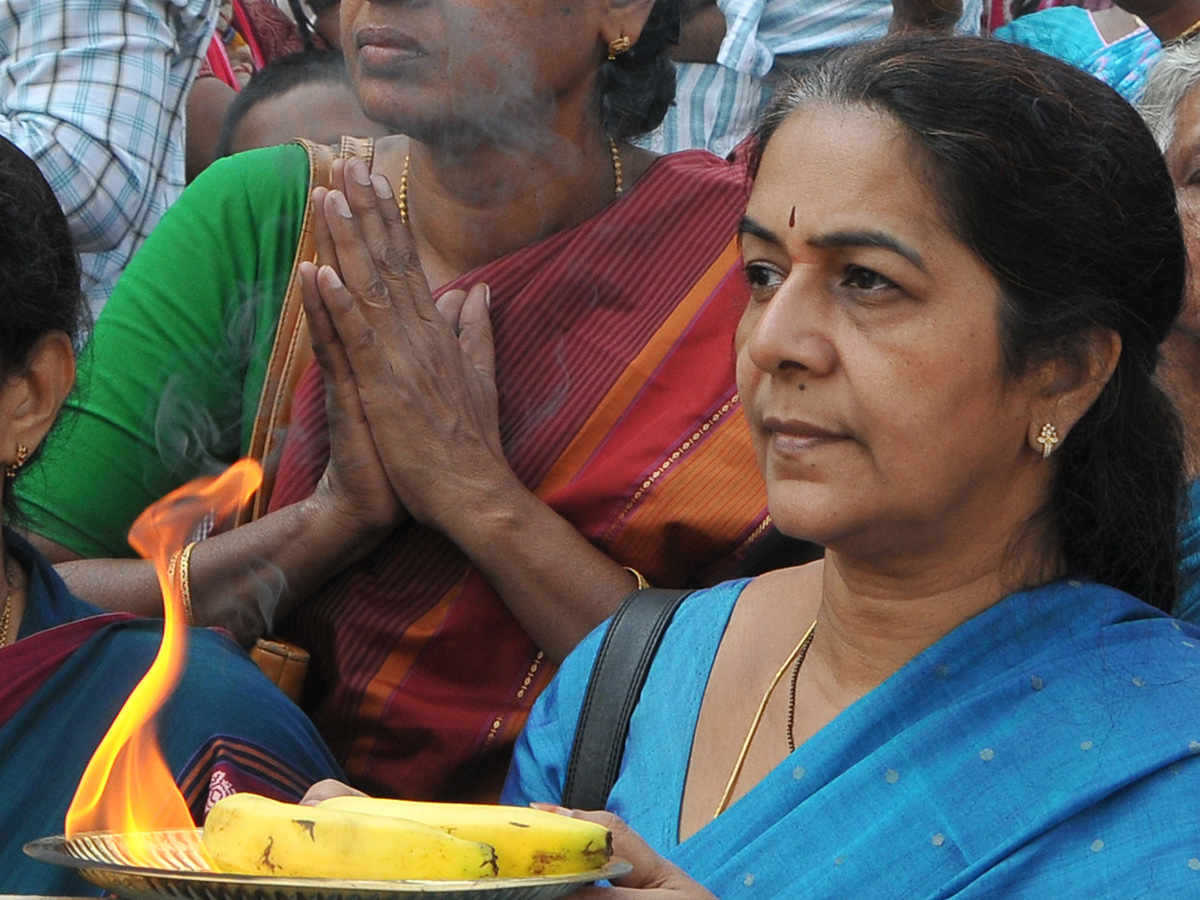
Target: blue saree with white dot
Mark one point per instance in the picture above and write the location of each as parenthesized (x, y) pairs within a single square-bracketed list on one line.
[(1048, 748)]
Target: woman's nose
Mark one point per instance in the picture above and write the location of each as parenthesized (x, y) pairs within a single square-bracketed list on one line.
[(790, 332)]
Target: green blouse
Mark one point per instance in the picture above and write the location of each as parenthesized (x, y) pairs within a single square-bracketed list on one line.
[(170, 378)]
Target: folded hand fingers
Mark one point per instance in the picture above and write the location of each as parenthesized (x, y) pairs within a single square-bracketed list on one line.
[(326, 252), (450, 305), (326, 342), (356, 266), (386, 243), (475, 332), (398, 237), (367, 199)]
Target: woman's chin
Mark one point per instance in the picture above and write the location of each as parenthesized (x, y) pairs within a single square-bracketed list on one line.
[(806, 511)]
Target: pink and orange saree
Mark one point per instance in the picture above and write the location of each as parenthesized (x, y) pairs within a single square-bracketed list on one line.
[(614, 349)]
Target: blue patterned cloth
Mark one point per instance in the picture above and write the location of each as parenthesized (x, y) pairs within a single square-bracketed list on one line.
[(1047, 748), (1070, 34), (224, 728), (94, 92)]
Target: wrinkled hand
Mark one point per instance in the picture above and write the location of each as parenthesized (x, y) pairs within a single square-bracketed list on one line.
[(933, 16), (652, 878), (424, 375), (354, 487)]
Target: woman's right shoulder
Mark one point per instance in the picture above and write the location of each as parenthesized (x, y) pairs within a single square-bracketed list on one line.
[(235, 209), (544, 746), (240, 220), (241, 217), (702, 609), (170, 378), (256, 175)]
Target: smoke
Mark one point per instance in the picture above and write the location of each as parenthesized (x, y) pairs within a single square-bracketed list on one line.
[(199, 426)]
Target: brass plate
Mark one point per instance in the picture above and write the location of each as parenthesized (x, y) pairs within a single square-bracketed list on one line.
[(183, 874)]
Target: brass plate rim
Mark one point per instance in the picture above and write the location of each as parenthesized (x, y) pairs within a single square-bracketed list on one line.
[(56, 850)]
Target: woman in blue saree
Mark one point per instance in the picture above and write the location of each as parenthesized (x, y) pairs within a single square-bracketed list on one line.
[(963, 258), (1075, 35), (66, 670)]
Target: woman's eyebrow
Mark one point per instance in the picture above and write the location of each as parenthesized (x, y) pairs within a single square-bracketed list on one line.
[(868, 239), (834, 239), (750, 226)]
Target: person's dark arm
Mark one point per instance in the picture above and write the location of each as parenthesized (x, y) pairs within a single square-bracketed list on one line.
[(702, 33)]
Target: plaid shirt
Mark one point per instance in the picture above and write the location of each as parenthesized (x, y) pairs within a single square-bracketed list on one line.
[(94, 92)]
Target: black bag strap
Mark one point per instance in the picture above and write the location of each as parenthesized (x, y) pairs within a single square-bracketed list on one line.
[(613, 690)]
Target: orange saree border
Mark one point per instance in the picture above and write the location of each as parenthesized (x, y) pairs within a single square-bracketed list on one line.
[(615, 404)]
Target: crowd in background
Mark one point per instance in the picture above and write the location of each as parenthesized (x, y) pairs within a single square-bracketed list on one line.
[(508, 300)]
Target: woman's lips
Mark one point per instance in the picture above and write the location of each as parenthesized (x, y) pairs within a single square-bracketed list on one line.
[(792, 436)]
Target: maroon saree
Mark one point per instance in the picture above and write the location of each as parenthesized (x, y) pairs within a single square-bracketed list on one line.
[(614, 363)]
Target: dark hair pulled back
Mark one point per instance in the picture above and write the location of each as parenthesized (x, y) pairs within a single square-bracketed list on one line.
[(636, 89), (1058, 186), (39, 270)]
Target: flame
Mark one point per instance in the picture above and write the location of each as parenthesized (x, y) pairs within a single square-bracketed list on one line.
[(127, 787)]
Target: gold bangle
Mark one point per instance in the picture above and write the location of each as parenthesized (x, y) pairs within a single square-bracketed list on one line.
[(642, 583), (185, 581)]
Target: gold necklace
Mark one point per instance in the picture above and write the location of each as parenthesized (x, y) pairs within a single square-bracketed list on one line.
[(797, 654), (791, 722), (6, 618), (402, 193)]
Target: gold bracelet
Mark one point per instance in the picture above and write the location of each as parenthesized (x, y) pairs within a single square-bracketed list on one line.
[(642, 583), (185, 581)]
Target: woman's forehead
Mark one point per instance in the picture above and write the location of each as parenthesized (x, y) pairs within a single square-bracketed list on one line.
[(825, 158)]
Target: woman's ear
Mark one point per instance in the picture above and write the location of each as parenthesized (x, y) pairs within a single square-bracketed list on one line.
[(1069, 385), (30, 399), (625, 19)]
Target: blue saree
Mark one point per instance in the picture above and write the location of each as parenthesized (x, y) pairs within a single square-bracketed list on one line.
[(226, 727), (1048, 748), (1070, 34)]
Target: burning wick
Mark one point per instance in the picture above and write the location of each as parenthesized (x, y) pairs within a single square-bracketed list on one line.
[(127, 787)]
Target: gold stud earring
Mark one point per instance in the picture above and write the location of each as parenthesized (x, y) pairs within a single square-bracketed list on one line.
[(620, 45), (11, 470), (1048, 439)]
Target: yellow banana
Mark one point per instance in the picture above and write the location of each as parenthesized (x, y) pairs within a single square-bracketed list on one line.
[(528, 841), (252, 835)]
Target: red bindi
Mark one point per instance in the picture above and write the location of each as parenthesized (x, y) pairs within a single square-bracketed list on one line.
[(792, 218)]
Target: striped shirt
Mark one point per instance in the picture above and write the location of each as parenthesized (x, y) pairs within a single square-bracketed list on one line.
[(94, 92), (716, 104)]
